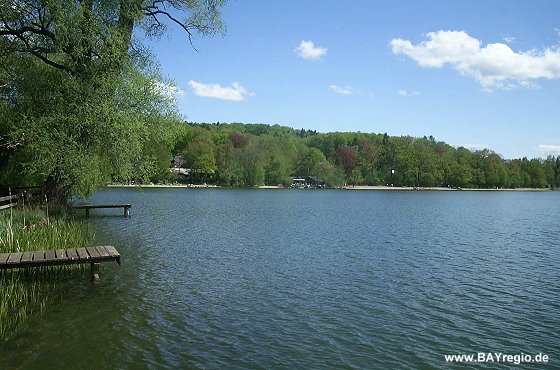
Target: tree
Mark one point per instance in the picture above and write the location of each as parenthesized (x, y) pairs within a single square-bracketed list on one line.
[(462, 173), (79, 37), (79, 136), (557, 171), (537, 176), (494, 171), (252, 162), (551, 169), (81, 101), (367, 160), (345, 155), (238, 139), (230, 171), (200, 158), (278, 155), (309, 162)]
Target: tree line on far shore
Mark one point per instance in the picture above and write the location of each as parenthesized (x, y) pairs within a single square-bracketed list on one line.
[(257, 154)]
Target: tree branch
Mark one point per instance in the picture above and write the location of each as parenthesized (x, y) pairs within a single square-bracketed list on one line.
[(186, 27), (46, 60), (8, 31), (12, 144)]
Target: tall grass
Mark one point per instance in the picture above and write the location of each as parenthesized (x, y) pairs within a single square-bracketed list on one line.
[(26, 292)]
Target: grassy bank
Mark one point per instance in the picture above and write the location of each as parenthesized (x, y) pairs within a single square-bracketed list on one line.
[(26, 292)]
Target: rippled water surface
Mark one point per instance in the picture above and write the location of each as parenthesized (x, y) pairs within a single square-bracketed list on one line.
[(216, 278)]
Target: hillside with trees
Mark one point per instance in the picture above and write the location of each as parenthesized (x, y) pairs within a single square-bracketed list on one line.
[(256, 154)]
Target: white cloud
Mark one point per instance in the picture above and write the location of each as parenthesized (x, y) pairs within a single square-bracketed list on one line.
[(493, 65), (236, 92), (509, 39), (408, 93), (168, 90), (344, 90), (308, 50), (549, 149)]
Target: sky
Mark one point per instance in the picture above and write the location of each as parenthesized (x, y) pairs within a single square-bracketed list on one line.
[(478, 74)]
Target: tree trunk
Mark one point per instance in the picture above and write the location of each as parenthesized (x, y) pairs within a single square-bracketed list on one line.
[(55, 192)]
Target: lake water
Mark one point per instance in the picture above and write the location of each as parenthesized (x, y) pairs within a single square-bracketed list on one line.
[(223, 278)]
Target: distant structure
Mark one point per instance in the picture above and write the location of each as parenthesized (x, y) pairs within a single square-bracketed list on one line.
[(307, 182), (176, 161)]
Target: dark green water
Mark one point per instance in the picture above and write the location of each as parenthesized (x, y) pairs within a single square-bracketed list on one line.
[(308, 279)]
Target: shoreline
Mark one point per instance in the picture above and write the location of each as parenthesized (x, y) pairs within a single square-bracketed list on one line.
[(357, 187), (436, 188), (160, 186)]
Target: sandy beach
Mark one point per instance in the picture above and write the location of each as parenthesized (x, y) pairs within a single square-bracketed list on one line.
[(366, 187), (348, 187), (383, 187), (160, 186)]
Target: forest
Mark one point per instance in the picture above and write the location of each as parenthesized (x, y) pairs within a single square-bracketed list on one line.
[(238, 154)]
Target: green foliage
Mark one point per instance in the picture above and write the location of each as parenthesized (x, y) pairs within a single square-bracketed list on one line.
[(250, 155), (80, 100), (199, 155), (81, 136), (252, 162)]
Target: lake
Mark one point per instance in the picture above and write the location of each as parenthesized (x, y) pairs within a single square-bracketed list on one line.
[(225, 278)]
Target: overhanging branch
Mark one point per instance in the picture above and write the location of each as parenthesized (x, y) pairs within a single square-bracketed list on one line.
[(50, 62), (185, 26), (25, 29)]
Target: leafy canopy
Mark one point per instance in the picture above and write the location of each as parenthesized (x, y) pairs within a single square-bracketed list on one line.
[(80, 99)]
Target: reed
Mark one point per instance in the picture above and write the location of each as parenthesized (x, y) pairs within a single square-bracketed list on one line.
[(26, 292)]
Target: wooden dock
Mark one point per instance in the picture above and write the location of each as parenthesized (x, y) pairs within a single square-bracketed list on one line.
[(87, 207), (57, 257)]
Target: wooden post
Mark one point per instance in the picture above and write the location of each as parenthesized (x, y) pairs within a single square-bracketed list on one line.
[(87, 212), (95, 271)]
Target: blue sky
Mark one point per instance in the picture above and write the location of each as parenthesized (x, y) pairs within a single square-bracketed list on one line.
[(471, 73)]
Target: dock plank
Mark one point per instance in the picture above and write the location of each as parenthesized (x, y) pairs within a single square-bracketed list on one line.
[(92, 251), (50, 256), (103, 252), (60, 255), (3, 258), (82, 253), (14, 258), (112, 251), (72, 254), (38, 256), (27, 257)]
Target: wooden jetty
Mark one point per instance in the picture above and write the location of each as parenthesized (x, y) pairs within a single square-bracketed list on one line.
[(87, 207), (57, 257)]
